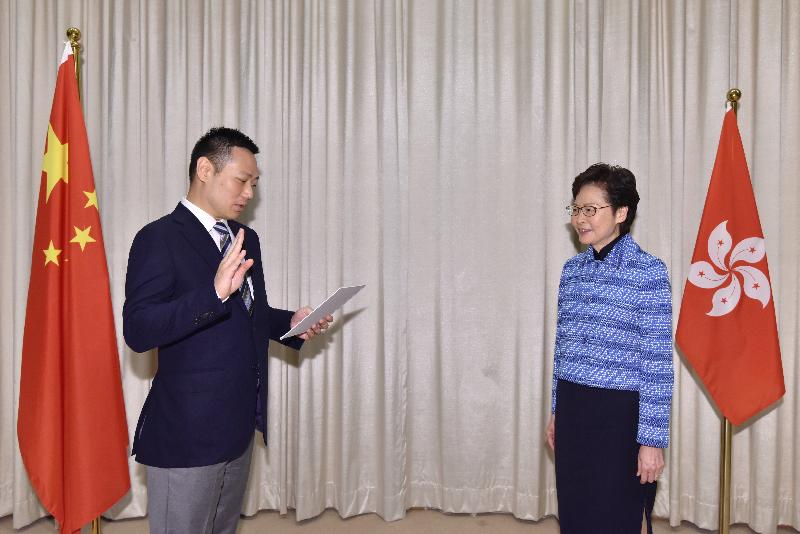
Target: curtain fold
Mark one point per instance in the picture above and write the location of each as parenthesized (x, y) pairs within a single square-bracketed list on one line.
[(425, 149)]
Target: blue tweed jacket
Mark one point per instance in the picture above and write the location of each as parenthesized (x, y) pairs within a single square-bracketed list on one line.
[(614, 331)]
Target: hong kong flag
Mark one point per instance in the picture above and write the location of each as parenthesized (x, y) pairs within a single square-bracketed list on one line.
[(727, 327)]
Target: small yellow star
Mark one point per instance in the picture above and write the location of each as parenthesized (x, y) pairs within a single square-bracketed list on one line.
[(92, 199), (54, 162), (82, 237), (51, 254)]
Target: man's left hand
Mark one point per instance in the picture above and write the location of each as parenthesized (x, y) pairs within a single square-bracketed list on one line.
[(321, 326)]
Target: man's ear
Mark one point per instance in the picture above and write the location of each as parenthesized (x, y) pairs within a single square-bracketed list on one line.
[(621, 215), (205, 169)]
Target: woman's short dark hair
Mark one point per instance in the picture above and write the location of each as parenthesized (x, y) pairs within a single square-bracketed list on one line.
[(619, 184), (216, 145)]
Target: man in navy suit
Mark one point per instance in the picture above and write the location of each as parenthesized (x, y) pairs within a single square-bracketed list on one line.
[(195, 291)]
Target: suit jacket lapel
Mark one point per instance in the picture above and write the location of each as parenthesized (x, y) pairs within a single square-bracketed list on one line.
[(197, 236)]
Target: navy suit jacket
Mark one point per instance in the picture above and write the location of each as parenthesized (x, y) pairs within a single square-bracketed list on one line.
[(212, 356)]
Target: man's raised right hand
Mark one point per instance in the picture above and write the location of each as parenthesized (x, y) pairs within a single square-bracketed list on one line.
[(232, 268)]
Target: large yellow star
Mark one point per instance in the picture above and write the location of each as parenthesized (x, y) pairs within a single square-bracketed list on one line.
[(92, 199), (82, 237), (51, 254), (55, 160)]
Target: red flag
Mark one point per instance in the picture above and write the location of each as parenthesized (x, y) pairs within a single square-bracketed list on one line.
[(727, 327), (71, 426)]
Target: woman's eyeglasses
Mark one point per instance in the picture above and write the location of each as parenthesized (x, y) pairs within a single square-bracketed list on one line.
[(588, 211)]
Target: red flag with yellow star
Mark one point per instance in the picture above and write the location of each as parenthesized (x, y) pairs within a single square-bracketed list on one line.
[(727, 327), (72, 431)]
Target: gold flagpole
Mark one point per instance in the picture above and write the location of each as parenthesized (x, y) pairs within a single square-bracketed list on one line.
[(726, 436), (725, 476), (74, 35)]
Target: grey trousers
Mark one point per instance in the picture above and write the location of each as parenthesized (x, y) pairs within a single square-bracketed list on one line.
[(197, 500)]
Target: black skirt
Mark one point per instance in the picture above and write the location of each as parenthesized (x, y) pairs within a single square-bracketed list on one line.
[(596, 460)]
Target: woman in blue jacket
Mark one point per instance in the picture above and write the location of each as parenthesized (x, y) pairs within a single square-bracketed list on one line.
[(612, 375)]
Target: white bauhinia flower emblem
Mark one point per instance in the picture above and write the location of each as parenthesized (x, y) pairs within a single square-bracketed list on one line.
[(755, 283)]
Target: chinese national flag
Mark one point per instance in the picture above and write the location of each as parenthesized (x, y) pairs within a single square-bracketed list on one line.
[(727, 327), (71, 426)]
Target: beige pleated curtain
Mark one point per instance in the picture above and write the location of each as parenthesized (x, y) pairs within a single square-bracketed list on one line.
[(424, 148)]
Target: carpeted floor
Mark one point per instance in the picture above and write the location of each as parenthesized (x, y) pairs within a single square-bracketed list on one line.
[(416, 522)]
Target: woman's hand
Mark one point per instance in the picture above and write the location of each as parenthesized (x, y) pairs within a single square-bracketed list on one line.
[(651, 463), (550, 432)]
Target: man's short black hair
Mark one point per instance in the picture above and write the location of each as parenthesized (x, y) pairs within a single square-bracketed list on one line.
[(216, 145), (619, 184)]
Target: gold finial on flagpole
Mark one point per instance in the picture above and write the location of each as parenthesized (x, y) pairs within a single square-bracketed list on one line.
[(74, 35), (733, 97)]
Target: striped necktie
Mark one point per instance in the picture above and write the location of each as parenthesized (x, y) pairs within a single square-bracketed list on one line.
[(224, 245)]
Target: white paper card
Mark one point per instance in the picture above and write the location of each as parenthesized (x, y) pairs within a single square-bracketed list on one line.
[(331, 304)]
